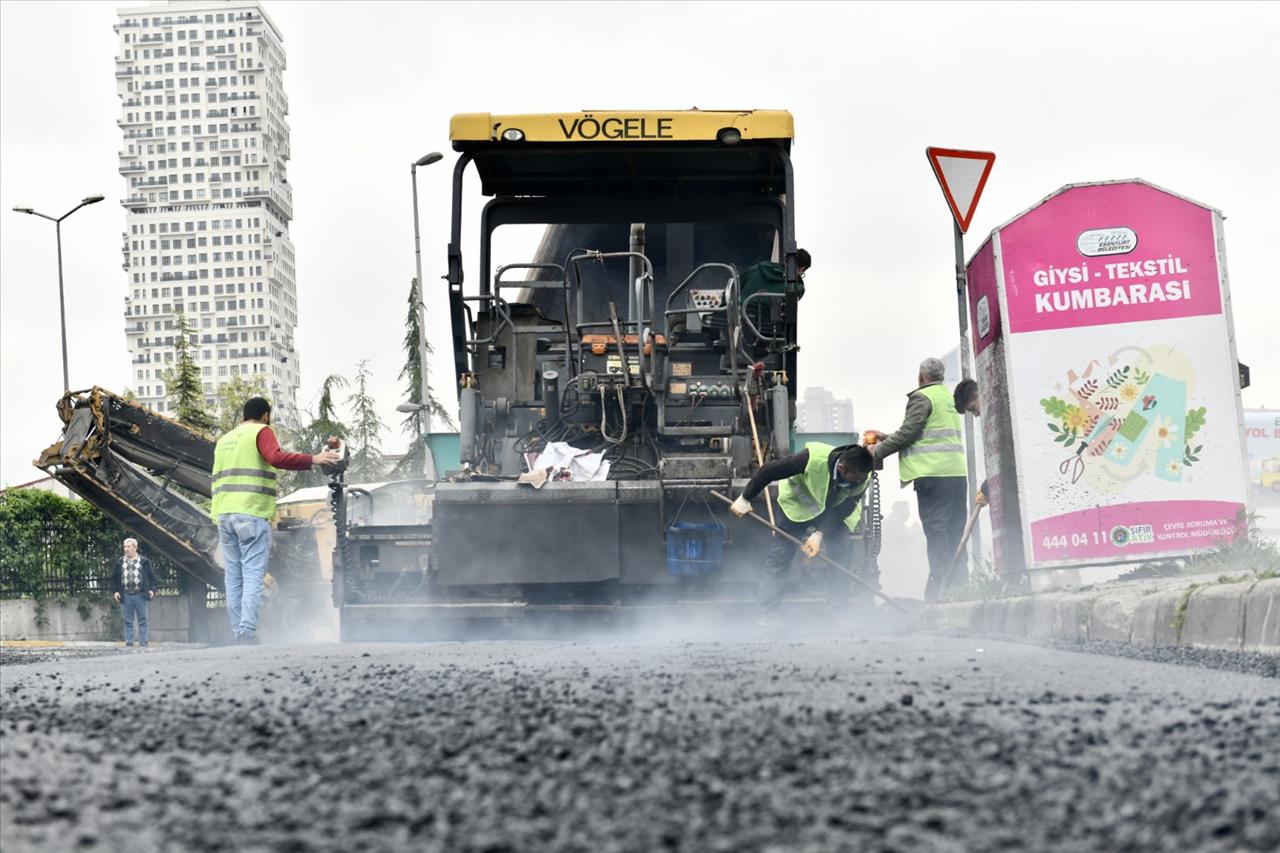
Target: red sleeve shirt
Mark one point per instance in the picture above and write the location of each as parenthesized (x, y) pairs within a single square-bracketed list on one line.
[(269, 447)]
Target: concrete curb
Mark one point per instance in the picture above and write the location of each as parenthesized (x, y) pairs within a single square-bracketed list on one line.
[(1195, 612)]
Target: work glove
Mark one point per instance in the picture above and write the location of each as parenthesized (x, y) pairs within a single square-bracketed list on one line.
[(980, 499), (740, 507), (812, 545)]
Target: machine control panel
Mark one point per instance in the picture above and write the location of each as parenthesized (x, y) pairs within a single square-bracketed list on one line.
[(707, 387), (706, 300)]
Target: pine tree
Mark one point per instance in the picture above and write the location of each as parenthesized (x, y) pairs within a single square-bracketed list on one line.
[(183, 386), (311, 437), (412, 425), (366, 430)]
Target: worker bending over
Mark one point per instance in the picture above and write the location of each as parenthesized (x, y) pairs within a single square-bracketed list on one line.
[(818, 490), (930, 448)]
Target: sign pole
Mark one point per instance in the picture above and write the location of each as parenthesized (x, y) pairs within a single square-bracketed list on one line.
[(962, 175), (966, 372)]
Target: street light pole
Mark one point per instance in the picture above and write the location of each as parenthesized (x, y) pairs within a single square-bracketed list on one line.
[(420, 296), (425, 160), (62, 300), (62, 309)]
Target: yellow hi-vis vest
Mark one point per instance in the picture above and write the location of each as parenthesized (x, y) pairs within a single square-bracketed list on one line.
[(939, 451), (803, 497), (242, 480)]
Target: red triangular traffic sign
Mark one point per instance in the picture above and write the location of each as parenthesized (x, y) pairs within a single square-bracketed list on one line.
[(962, 175)]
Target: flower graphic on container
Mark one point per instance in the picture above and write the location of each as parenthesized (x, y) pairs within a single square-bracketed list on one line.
[(1075, 418), (1126, 418)]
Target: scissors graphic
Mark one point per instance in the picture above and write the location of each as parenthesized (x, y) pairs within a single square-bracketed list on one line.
[(1074, 465)]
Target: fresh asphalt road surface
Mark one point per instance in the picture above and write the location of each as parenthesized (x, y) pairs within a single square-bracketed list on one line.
[(884, 743)]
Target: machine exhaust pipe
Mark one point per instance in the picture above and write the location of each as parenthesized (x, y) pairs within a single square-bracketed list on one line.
[(781, 427), (551, 396), (635, 269), (468, 421)]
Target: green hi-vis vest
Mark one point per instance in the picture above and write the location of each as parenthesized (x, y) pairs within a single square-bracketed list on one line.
[(854, 517), (939, 451), (242, 480), (803, 497)]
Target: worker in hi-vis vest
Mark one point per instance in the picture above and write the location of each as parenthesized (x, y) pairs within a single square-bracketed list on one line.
[(818, 489), (930, 448), (244, 502)]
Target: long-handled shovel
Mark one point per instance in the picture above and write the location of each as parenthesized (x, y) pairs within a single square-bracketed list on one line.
[(964, 540), (755, 441), (784, 534)]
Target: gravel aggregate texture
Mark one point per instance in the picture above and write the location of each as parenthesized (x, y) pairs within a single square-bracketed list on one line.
[(881, 743)]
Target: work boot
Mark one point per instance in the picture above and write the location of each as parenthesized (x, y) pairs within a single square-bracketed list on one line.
[(248, 639)]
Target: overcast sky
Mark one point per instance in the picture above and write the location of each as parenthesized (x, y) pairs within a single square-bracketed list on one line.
[(1184, 95)]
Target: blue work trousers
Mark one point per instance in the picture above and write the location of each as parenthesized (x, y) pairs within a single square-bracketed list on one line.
[(246, 545)]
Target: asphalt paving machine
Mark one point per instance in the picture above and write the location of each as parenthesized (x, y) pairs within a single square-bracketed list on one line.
[(626, 344)]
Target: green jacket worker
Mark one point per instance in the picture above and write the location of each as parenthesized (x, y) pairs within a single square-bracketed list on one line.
[(244, 502), (818, 490), (930, 448)]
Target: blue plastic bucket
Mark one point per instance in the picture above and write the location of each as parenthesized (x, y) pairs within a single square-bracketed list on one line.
[(695, 549)]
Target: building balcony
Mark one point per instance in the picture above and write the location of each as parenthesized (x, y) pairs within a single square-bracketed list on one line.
[(132, 168), (135, 201), (123, 122), (126, 72)]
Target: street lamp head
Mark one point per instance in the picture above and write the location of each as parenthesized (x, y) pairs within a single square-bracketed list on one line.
[(93, 199), (409, 408), (428, 159), (23, 210)]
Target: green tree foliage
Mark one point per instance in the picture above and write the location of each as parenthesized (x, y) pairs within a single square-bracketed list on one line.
[(44, 535), (232, 397), (184, 387), (411, 372), (366, 430), (312, 436)]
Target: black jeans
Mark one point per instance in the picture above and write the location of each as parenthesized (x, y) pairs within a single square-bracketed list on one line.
[(777, 563), (942, 502)]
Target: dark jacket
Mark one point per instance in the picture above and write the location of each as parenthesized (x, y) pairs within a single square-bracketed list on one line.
[(789, 466), (147, 583)]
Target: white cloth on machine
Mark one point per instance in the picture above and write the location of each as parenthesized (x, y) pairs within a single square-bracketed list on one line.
[(560, 460)]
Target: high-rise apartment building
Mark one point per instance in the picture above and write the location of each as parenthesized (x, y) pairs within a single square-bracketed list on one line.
[(821, 411), (208, 200)]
